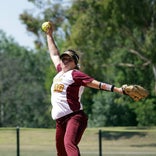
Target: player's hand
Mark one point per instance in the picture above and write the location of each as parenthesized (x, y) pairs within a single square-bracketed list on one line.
[(47, 27)]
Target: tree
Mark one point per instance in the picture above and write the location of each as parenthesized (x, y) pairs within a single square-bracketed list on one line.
[(47, 10), (22, 89), (145, 112), (118, 37), (115, 40)]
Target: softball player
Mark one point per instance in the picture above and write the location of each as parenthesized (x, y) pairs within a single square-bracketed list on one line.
[(66, 91)]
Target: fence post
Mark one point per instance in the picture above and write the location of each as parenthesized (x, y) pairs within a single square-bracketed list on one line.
[(100, 143), (18, 140)]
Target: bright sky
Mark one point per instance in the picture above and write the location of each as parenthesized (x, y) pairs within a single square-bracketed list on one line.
[(10, 23)]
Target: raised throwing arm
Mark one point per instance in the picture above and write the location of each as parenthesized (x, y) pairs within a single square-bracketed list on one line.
[(54, 52)]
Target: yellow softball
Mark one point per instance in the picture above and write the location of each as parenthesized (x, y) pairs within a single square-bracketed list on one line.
[(46, 26)]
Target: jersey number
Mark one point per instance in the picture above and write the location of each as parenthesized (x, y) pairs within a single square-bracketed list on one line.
[(58, 87)]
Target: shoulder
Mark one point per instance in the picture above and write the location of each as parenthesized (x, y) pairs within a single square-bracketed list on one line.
[(77, 73), (81, 76)]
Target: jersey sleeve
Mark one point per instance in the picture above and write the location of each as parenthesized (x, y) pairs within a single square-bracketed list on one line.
[(81, 77), (58, 68)]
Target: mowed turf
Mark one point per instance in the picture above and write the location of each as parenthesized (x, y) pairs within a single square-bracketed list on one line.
[(119, 141)]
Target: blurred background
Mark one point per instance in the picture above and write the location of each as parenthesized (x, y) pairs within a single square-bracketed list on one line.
[(116, 44)]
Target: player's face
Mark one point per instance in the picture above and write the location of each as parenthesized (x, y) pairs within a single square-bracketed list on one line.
[(67, 63)]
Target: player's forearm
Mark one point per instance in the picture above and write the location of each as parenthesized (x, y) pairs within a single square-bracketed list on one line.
[(104, 86), (52, 46), (110, 87), (118, 90)]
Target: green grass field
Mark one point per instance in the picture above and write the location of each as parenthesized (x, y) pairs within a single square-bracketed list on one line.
[(117, 141)]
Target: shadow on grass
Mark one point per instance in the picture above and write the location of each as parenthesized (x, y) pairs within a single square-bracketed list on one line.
[(111, 135), (145, 145)]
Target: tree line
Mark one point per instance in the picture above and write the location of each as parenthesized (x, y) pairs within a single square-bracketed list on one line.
[(116, 44)]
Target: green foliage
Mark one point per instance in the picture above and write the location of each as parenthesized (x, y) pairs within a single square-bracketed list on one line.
[(22, 91), (43, 11), (110, 110), (116, 44), (145, 112)]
